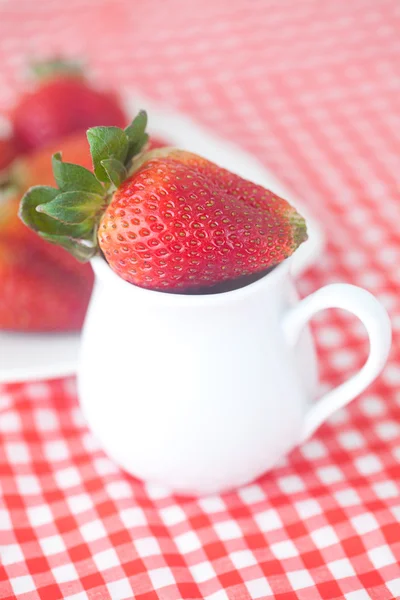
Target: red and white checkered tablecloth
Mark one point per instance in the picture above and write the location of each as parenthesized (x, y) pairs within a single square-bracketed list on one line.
[(311, 87)]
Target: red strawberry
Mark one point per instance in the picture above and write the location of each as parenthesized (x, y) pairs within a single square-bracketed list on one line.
[(36, 293), (7, 153), (33, 170), (177, 222), (43, 288), (64, 102), (155, 142)]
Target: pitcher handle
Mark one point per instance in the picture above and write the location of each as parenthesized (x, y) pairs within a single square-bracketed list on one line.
[(377, 323)]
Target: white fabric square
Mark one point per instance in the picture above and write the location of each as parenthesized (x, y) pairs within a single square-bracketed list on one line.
[(156, 492), (39, 515), (341, 568), (351, 440), (268, 520), (161, 577), (79, 503), (5, 520), (313, 449), (373, 406), (187, 542), (291, 484), (28, 484), (37, 391), (106, 560), (395, 510), (364, 523), (171, 515), (119, 489), (391, 374), (17, 452), (259, 588), (52, 545), (90, 442), (368, 464), (93, 531), (11, 554), (22, 585), (6, 400), (68, 477), (386, 489), (120, 589), (394, 587), (65, 573), (284, 549), (133, 517), (56, 450), (104, 466), (251, 494), (243, 558), (77, 417), (343, 359), (300, 579), (228, 530), (308, 508), (388, 430), (381, 557), (330, 336), (147, 547), (46, 420), (212, 504), (339, 417), (10, 421), (329, 475), (324, 537), (202, 572), (347, 497)]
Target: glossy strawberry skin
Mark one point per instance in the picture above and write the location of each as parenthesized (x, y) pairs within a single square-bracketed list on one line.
[(43, 288), (181, 223), (60, 106)]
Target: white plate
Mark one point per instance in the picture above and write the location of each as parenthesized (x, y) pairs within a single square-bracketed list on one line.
[(25, 357)]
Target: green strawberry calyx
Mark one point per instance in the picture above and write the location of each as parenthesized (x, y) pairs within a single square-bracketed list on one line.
[(69, 214), (56, 67)]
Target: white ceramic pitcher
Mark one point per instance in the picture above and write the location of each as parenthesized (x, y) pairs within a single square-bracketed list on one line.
[(203, 393)]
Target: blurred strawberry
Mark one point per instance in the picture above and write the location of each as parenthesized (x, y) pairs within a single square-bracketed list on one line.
[(7, 153), (63, 102), (155, 142), (37, 294), (41, 290)]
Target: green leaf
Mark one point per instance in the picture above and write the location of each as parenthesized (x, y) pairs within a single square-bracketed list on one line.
[(105, 143), (137, 135), (70, 177), (72, 207), (42, 223), (137, 147), (137, 128), (115, 170), (80, 251)]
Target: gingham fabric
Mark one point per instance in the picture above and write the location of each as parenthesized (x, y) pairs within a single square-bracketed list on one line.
[(312, 88)]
